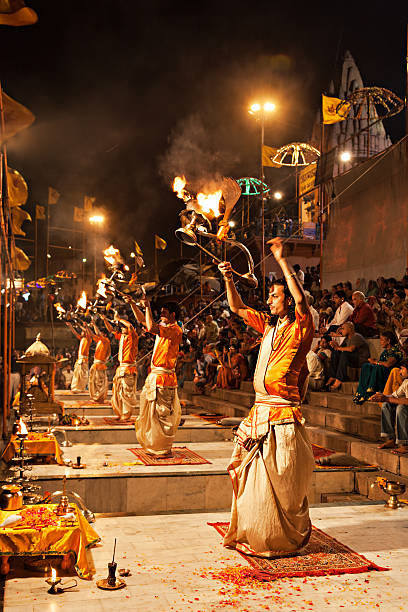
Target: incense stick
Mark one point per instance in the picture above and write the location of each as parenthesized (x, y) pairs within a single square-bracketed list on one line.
[(114, 549)]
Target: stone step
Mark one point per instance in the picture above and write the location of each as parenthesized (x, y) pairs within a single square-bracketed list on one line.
[(366, 484), (89, 410), (163, 489), (364, 451), (344, 403), (367, 428), (99, 432), (215, 405), (349, 388)]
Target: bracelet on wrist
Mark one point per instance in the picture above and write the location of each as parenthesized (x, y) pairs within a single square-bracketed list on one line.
[(290, 275)]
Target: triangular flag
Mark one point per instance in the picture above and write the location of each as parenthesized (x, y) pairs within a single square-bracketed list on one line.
[(17, 188), (88, 203), (53, 196), (19, 259), (18, 216), (159, 243), (329, 110), (268, 153), (40, 212), (16, 13), (16, 117), (138, 250)]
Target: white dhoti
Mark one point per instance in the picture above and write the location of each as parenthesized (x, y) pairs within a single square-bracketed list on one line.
[(124, 391), (98, 382), (80, 376), (159, 416), (270, 511)]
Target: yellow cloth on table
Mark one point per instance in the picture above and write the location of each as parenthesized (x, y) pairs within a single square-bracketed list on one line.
[(50, 539), (36, 443)]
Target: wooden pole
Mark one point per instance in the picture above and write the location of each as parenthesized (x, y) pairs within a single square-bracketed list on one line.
[(263, 206), (36, 247), (156, 273), (322, 202), (406, 84)]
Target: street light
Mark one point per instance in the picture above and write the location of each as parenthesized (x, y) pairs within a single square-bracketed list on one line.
[(96, 221), (260, 111), (345, 156), (278, 195)]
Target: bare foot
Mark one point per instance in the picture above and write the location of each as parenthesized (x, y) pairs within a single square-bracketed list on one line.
[(336, 385), (388, 444)]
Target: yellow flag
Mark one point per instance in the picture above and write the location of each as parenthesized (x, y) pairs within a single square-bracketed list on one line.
[(17, 188), (16, 13), (78, 214), (19, 259), (329, 112), (138, 250), (16, 117), (18, 216), (268, 153), (88, 203), (53, 196), (40, 212), (159, 243)]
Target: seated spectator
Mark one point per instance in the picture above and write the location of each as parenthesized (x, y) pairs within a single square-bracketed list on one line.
[(68, 375), (352, 353), (317, 363), (363, 316), (342, 313), (233, 368), (211, 329), (250, 349), (314, 313), (200, 379), (400, 322), (374, 374), (372, 288), (394, 415)]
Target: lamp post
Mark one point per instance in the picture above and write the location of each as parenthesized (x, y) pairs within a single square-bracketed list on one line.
[(260, 111), (96, 221)]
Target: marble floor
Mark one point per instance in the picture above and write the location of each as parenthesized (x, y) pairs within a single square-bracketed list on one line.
[(177, 564)]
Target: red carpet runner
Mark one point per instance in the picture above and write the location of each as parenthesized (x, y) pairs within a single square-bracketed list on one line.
[(322, 556), (181, 455)]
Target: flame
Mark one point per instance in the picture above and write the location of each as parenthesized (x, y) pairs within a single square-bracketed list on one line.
[(178, 187), (59, 308), (81, 303), (112, 256), (101, 290), (53, 574), (22, 429), (209, 203)]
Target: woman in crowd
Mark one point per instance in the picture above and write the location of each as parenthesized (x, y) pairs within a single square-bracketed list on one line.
[(374, 374), (233, 367)]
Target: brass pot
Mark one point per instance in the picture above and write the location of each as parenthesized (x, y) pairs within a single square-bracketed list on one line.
[(11, 497)]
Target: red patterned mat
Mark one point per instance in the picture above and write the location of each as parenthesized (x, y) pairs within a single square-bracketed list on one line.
[(115, 421), (210, 418), (320, 451), (322, 556), (181, 455)]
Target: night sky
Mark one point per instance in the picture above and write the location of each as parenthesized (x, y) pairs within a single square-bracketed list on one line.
[(126, 92)]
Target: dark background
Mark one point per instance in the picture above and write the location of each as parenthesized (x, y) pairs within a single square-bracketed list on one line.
[(126, 93)]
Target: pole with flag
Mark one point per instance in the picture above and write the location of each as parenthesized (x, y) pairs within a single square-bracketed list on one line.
[(159, 245), (53, 197)]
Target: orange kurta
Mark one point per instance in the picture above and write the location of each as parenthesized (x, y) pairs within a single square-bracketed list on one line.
[(165, 353), (291, 344), (84, 345), (128, 348), (102, 351)]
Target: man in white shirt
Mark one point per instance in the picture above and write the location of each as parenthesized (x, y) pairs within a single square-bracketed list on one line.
[(343, 311), (315, 314), (394, 415)]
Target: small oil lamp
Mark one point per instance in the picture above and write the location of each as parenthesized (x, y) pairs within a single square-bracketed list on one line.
[(53, 582)]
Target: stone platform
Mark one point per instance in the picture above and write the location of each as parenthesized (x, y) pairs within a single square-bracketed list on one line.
[(172, 557)]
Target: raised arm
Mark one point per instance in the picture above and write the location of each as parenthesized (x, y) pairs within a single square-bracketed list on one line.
[(73, 330), (234, 299), (292, 280), (107, 324), (135, 309), (151, 325)]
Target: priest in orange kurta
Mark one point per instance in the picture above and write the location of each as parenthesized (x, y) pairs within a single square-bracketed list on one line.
[(124, 389), (272, 462), (160, 410), (98, 379), (81, 368)]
